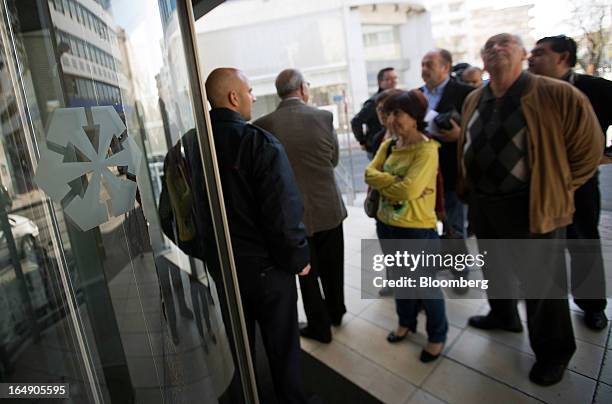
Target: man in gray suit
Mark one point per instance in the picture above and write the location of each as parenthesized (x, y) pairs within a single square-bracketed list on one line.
[(311, 143)]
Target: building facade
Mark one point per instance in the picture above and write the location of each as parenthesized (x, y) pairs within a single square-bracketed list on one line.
[(339, 45), (463, 26)]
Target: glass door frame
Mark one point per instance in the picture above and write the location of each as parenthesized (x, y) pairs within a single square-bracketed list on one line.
[(237, 326)]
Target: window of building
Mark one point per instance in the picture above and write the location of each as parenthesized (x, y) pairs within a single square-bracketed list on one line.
[(79, 14), (378, 38), (81, 49), (72, 9), (73, 46), (58, 5), (88, 20), (456, 6), (458, 23)]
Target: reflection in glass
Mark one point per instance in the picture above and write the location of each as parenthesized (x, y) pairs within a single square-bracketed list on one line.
[(117, 311)]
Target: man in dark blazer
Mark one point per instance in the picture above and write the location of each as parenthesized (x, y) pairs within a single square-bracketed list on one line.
[(444, 94), (555, 57), (308, 136), (366, 124)]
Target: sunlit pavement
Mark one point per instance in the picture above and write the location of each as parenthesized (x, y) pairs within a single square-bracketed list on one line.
[(476, 367)]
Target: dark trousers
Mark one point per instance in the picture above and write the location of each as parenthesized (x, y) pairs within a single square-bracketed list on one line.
[(548, 320), (431, 300), (588, 279), (455, 215), (269, 297), (327, 263)]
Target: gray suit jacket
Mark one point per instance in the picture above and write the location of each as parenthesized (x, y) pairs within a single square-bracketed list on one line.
[(311, 143)]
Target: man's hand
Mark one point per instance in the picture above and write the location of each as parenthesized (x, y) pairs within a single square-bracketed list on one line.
[(305, 270), (451, 135)]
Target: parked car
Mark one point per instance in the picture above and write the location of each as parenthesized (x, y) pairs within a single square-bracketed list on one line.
[(25, 234)]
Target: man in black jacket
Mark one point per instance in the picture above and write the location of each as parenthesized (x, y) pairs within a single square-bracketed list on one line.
[(444, 94), (555, 57), (367, 117), (264, 210)]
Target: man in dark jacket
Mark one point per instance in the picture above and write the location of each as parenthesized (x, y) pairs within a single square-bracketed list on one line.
[(444, 94), (264, 211), (365, 124), (555, 57)]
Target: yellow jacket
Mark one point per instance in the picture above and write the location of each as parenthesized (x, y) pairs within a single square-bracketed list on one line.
[(406, 181)]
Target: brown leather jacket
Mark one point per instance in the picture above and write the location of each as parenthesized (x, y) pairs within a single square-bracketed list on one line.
[(564, 148)]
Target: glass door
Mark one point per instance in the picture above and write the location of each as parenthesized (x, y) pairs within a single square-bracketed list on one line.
[(94, 93)]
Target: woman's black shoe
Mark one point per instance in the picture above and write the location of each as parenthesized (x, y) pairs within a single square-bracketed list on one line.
[(393, 337), (426, 357)]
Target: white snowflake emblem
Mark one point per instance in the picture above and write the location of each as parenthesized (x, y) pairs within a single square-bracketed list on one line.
[(83, 144)]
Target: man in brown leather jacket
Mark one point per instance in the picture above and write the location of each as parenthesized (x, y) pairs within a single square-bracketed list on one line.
[(526, 143)]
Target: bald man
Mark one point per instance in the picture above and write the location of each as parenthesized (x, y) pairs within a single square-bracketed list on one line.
[(264, 210)]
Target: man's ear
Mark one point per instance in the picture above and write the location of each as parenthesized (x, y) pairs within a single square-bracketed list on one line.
[(564, 58), (232, 97)]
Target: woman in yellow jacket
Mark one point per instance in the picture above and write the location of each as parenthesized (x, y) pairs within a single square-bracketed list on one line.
[(405, 176)]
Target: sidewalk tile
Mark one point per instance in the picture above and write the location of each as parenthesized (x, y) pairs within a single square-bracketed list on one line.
[(512, 367), (370, 341), (458, 384)]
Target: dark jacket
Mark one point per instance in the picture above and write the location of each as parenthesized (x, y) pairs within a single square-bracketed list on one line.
[(599, 91), (263, 204), (452, 99), (308, 136), (368, 117)]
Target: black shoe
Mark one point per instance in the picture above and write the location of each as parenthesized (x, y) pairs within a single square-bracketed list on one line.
[(595, 320), (427, 357), (489, 322), (546, 374), (393, 337), (306, 332), (336, 321)]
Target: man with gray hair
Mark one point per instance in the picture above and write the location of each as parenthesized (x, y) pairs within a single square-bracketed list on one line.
[(308, 136), (526, 143)]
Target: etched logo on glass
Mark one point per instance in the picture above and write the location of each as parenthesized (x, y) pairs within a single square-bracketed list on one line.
[(86, 165)]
